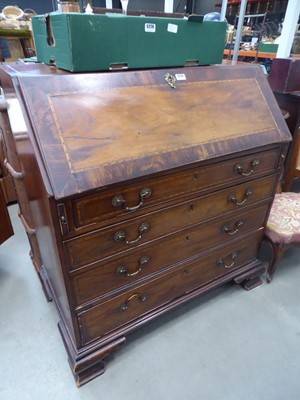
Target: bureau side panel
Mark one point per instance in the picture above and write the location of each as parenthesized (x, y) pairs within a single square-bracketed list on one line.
[(39, 202), (34, 205)]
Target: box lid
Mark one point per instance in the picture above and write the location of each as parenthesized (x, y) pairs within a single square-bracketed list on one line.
[(95, 130)]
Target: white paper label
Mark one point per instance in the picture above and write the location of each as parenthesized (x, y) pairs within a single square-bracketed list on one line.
[(150, 27), (172, 28), (180, 77)]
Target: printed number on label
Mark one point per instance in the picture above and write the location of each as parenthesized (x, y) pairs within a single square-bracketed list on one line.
[(150, 27), (180, 77)]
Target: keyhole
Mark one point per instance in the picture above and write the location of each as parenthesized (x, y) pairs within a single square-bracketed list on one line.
[(195, 176), (192, 207), (187, 238)]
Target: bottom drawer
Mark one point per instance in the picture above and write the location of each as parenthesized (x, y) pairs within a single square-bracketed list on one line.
[(122, 309)]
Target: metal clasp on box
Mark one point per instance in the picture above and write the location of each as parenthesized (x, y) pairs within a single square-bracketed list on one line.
[(118, 66)]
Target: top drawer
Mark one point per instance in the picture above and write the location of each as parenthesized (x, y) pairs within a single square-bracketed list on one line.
[(131, 198)]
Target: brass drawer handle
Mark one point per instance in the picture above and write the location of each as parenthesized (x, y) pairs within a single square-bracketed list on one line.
[(240, 168), (232, 197), (141, 297), (120, 236), (122, 270), (233, 257), (234, 230), (119, 200), (17, 175)]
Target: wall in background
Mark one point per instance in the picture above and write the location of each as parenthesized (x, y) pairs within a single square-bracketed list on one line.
[(205, 6), (39, 6), (44, 6), (201, 6), (155, 5)]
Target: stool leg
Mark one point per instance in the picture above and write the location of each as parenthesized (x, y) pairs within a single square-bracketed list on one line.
[(277, 251)]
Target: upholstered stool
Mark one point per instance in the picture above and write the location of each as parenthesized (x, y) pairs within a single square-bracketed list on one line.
[(283, 227)]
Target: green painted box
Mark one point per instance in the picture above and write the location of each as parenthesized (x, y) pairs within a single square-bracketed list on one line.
[(268, 47), (81, 42)]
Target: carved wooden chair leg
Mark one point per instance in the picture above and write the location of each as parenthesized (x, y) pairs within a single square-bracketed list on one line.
[(277, 251)]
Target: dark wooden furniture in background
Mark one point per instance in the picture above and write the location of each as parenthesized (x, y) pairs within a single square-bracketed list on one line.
[(293, 169), (285, 75), (284, 80), (143, 189)]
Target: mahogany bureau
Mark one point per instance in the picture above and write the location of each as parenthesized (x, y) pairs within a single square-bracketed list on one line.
[(143, 189)]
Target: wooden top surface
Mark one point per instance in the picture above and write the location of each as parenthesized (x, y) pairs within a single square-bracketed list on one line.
[(94, 130)]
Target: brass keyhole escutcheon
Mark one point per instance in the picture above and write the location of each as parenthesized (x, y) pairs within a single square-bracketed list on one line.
[(171, 80)]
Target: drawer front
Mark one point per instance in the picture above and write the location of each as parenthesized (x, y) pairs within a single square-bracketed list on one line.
[(94, 247), (124, 308), (126, 270), (132, 198)]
